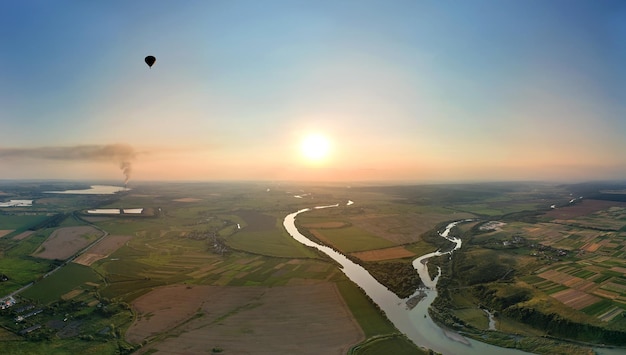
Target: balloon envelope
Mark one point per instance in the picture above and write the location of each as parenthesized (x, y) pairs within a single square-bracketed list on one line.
[(150, 60)]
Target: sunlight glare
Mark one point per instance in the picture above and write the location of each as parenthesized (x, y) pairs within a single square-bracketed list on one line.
[(315, 147)]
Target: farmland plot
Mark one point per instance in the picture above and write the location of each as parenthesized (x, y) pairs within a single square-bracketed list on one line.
[(592, 213), (67, 241), (103, 249), (403, 228), (23, 235), (311, 319), (384, 254), (583, 208), (351, 239)]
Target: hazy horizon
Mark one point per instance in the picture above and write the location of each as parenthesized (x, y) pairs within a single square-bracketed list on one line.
[(394, 91)]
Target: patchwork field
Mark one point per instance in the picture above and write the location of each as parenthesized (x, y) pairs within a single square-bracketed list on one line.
[(596, 214), (311, 319), (213, 270), (586, 267), (136, 268), (67, 241), (550, 234), (575, 298)]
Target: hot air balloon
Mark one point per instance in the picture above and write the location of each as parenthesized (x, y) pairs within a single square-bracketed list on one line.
[(150, 60)]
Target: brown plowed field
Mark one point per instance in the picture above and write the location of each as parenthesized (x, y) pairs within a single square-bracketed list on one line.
[(306, 319), (568, 280), (558, 277), (4, 232), (23, 235), (65, 242), (576, 299), (384, 254), (606, 294), (590, 247), (103, 249)]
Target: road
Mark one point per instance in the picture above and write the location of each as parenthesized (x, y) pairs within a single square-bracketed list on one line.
[(69, 260)]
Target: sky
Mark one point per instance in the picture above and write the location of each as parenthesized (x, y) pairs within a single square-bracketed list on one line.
[(403, 91)]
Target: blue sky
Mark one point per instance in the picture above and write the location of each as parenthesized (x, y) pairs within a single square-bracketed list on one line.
[(403, 90)]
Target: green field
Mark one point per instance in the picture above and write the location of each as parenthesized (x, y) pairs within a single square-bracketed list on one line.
[(272, 243), (19, 222), (352, 239), (61, 282), (370, 319), (474, 316), (21, 272)]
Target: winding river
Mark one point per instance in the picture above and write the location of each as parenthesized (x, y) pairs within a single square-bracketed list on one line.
[(415, 323)]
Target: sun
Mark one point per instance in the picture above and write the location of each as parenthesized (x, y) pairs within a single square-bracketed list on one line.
[(315, 147)]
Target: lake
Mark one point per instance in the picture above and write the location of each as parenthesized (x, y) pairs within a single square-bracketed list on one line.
[(94, 190)]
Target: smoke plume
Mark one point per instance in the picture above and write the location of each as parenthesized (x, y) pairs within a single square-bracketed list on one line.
[(126, 169), (121, 154)]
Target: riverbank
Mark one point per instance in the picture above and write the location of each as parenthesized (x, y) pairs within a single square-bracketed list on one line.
[(415, 323)]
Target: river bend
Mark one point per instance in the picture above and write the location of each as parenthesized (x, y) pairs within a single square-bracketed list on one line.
[(415, 323)]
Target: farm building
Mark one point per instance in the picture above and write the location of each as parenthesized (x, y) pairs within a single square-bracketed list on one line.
[(7, 302)]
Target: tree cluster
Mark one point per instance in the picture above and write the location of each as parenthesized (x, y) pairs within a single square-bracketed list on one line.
[(399, 277), (556, 325)]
